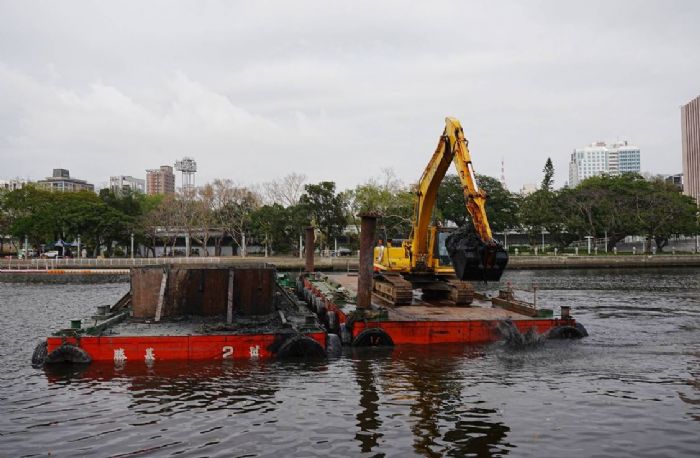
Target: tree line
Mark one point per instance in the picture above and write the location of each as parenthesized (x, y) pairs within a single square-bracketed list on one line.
[(274, 214)]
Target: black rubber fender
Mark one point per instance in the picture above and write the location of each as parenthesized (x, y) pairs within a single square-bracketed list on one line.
[(68, 353), (567, 332), (300, 346), (580, 327), (373, 337), (41, 351), (345, 335), (334, 347), (332, 322)]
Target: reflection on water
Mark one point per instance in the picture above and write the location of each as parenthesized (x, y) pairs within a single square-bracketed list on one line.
[(369, 422), (631, 389)]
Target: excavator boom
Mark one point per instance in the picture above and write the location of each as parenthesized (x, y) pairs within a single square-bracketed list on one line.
[(476, 258)]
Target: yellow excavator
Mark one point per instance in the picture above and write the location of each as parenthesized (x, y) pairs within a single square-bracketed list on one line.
[(441, 261)]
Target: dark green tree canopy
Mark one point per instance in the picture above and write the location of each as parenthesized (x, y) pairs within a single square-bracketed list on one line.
[(501, 204), (325, 208)]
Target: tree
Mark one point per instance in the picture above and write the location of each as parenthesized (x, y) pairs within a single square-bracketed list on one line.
[(161, 222), (5, 221), (664, 212), (234, 206), (387, 196), (277, 227), (32, 213), (130, 204), (98, 224), (326, 209), (612, 207), (285, 191), (451, 204), (543, 211), (501, 204), (603, 205), (146, 227), (548, 179)]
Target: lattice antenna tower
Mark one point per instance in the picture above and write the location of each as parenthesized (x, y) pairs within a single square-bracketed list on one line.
[(503, 173), (188, 167)]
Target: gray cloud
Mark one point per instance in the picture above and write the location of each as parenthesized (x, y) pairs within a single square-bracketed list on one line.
[(256, 90)]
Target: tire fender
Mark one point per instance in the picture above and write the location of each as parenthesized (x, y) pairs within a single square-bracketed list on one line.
[(332, 320), (334, 347), (40, 354), (373, 337), (345, 335), (68, 353), (566, 332), (300, 346)]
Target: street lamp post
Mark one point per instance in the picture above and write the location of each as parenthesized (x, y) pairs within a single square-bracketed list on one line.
[(589, 237), (542, 240), (79, 251), (606, 240), (132, 245)]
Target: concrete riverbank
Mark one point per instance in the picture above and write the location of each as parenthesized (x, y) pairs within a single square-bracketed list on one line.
[(112, 270)]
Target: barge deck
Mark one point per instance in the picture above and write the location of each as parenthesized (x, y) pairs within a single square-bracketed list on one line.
[(421, 322)]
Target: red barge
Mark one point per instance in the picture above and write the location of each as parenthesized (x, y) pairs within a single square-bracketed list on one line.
[(424, 321), (192, 313)]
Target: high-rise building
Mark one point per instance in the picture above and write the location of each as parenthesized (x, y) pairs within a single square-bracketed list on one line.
[(599, 158), (690, 131), (62, 182), (119, 183), (160, 181)]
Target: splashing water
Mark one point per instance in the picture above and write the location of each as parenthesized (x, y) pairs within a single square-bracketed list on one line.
[(516, 340)]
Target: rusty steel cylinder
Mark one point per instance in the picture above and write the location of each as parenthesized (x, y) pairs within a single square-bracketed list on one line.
[(309, 248), (364, 281)]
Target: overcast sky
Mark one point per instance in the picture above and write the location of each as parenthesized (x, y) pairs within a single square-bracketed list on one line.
[(338, 90)]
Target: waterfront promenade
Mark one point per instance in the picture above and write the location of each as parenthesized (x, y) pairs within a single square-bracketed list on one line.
[(351, 263)]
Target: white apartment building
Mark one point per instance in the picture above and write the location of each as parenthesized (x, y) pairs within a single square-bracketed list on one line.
[(121, 182), (600, 158)]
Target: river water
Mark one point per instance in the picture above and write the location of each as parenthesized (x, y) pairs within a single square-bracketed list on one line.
[(630, 389)]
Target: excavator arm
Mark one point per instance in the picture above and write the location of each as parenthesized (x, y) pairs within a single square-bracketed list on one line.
[(480, 258)]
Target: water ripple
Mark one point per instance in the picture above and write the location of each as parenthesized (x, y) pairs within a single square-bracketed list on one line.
[(631, 389)]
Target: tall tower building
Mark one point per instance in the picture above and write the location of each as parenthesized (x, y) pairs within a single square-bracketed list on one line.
[(690, 130), (160, 181)]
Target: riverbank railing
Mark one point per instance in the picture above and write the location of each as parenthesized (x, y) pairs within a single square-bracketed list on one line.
[(117, 263)]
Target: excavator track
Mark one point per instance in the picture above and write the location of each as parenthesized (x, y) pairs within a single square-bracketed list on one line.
[(393, 289), (462, 292)]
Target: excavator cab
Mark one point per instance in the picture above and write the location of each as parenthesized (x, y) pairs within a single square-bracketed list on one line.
[(440, 251), (472, 258)]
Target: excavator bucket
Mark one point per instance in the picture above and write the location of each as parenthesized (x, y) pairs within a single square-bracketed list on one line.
[(474, 259)]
